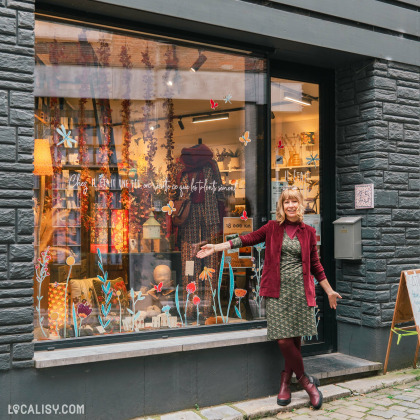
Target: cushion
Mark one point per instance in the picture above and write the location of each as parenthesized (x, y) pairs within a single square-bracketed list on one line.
[(116, 285), (56, 306), (81, 289)]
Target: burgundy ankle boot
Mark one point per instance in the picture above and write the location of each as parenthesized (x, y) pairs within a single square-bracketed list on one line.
[(310, 384), (284, 397)]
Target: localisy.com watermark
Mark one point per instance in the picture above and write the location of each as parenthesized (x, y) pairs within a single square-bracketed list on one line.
[(46, 409)]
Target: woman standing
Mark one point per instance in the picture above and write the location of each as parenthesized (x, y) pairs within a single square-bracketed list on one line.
[(291, 258)]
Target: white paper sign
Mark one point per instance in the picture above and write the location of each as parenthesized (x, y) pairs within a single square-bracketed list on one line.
[(100, 329), (413, 287), (189, 268)]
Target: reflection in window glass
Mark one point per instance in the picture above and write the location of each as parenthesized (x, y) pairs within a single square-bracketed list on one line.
[(140, 158), (295, 159)]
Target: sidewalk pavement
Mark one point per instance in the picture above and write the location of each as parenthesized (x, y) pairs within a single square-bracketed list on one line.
[(395, 395)]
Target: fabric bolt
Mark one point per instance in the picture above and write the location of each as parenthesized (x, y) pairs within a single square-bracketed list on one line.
[(289, 315), (199, 182)]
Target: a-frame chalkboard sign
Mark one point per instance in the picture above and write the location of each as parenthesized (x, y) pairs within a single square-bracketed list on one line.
[(407, 310)]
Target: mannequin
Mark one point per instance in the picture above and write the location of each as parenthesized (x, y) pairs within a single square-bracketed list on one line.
[(154, 300)]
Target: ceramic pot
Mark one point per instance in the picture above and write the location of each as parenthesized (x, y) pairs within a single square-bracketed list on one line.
[(234, 163)]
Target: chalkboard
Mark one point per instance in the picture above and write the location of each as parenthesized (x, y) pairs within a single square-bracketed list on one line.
[(407, 310), (413, 287)]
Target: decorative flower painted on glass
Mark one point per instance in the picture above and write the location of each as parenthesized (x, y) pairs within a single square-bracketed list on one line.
[(191, 287), (66, 136), (83, 311), (41, 271), (166, 310), (239, 293), (196, 302), (207, 273), (227, 98), (312, 159)]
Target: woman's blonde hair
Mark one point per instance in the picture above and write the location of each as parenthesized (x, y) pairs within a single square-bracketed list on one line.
[(289, 193)]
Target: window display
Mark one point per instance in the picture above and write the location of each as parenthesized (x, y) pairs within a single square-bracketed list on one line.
[(142, 155), (295, 158)]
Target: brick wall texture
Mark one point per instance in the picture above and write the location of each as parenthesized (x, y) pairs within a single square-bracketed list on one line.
[(16, 182), (378, 141)]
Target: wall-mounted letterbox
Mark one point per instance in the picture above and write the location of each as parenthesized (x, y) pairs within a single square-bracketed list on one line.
[(348, 238)]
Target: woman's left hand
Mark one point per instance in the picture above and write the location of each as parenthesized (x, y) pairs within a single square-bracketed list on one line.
[(332, 298)]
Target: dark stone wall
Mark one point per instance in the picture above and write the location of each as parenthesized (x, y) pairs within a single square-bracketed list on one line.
[(16, 182), (378, 141)]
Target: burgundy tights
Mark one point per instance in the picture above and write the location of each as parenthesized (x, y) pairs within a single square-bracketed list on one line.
[(290, 348)]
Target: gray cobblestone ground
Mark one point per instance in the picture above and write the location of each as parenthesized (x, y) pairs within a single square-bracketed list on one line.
[(395, 395), (398, 402)]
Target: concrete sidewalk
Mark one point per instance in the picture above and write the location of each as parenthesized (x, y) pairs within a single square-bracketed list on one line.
[(395, 395)]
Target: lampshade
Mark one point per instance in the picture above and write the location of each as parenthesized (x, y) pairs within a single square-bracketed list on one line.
[(42, 157)]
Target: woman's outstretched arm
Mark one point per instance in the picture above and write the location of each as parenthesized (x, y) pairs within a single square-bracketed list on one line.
[(209, 249)]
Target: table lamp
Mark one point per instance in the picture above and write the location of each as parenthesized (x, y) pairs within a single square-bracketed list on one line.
[(42, 167)]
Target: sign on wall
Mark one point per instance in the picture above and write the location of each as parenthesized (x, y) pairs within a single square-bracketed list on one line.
[(233, 227), (364, 196)]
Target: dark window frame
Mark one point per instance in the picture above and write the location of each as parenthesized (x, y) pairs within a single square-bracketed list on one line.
[(288, 70)]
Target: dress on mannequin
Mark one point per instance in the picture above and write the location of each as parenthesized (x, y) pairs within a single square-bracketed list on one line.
[(203, 222)]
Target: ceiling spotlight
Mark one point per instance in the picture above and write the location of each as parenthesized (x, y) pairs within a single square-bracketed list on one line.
[(207, 118), (307, 102), (169, 83), (181, 124), (199, 62), (154, 127)]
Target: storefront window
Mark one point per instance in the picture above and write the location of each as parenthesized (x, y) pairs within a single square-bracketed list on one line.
[(295, 158), (143, 152)]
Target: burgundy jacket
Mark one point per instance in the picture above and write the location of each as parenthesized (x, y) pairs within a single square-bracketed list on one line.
[(272, 234)]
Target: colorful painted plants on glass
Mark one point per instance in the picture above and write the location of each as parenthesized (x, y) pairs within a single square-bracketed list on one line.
[(41, 272)]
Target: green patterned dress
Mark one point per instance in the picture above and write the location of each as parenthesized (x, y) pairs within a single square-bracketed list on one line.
[(290, 315)]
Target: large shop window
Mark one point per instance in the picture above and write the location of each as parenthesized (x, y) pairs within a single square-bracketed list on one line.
[(144, 151), (295, 157)]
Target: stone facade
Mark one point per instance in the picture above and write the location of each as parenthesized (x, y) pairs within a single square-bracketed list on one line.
[(378, 141), (16, 182)]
